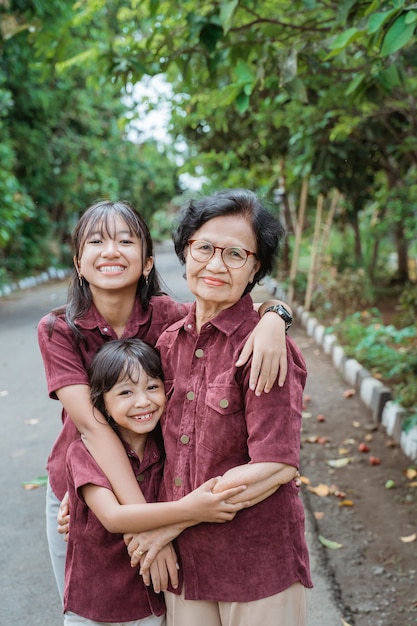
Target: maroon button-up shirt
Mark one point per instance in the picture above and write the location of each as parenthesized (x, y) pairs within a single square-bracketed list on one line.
[(212, 423), (100, 584), (66, 360)]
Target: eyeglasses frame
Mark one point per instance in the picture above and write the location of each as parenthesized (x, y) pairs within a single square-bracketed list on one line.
[(248, 252)]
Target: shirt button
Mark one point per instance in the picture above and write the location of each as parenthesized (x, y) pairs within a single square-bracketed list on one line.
[(140, 478), (190, 395), (224, 403), (184, 439), (199, 353), (177, 482), (105, 329)]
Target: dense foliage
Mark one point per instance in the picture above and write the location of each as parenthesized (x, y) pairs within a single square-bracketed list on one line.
[(64, 142), (270, 92)]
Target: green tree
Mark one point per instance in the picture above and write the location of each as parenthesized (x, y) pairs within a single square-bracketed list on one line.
[(66, 138), (271, 90)]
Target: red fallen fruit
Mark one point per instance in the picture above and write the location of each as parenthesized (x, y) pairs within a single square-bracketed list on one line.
[(320, 418), (362, 447), (373, 460)]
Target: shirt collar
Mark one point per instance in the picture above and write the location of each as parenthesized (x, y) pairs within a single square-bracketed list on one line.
[(152, 453), (93, 319), (226, 321)]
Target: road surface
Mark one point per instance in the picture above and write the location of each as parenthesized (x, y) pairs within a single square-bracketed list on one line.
[(30, 422)]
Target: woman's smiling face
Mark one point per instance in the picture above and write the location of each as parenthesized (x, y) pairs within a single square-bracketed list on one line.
[(213, 283)]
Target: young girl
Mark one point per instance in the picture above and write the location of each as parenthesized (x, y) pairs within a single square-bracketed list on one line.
[(100, 585), (115, 293)]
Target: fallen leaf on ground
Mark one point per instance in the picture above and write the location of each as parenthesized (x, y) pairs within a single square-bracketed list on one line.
[(323, 440), (321, 490), (369, 437), (410, 473), (306, 414), (319, 515), (409, 539), (333, 545), (349, 393), (356, 424), (373, 460), (40, 481), (344, 623), (339, 462), (346, 503), (305, 480), (32, 422), (343, 450), (390, 484), (4, 393), (311, 439)]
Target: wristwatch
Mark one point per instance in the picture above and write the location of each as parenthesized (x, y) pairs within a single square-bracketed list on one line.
[(282, 312)]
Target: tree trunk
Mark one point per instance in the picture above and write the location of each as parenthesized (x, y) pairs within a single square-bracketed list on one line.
[(374, 260), (402, 252), (358, 242)]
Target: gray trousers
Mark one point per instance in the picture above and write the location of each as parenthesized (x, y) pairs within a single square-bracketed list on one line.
[(56, 542)]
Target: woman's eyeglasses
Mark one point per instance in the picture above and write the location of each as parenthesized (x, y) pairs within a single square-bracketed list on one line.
[(234, 257)]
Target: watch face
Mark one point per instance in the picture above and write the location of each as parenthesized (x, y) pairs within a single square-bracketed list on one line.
[(284, 314)]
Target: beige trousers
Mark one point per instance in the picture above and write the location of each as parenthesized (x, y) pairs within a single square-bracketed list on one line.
[(288, 608)]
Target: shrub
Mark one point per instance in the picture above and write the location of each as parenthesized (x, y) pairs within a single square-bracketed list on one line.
[(341, 293), (389, 353)]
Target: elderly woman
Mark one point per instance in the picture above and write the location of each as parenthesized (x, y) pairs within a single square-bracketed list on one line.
[(254, 570)]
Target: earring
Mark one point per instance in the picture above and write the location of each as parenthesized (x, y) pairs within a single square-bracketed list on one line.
[(146, 280), (80, 277)]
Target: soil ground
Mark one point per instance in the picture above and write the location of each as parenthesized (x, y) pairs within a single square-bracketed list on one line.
[(374, 572)]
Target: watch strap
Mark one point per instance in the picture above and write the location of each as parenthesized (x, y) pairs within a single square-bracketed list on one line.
[(280, 310)]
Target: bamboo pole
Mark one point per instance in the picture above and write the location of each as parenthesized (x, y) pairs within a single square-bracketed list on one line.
[(297, 242), (314, 254), (329, 221)]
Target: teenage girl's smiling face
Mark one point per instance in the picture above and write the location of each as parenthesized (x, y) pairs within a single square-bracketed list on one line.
[(136, 404), (111, 258)]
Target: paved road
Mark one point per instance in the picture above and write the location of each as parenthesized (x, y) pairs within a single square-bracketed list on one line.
[(29, 425)]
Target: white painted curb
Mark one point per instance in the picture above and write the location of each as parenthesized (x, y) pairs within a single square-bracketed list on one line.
[(374, 394)]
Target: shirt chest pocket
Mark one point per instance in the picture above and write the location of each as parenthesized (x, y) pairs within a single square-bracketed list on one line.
[(223, 427)]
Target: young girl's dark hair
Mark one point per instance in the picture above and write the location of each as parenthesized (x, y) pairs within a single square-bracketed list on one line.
[(100, 217), (118, 359)]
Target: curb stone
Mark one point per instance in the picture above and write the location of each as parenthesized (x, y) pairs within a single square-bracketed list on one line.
[(374, 394), (52, 273)]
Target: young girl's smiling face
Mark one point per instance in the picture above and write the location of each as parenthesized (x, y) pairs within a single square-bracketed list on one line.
[(136, 403)]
